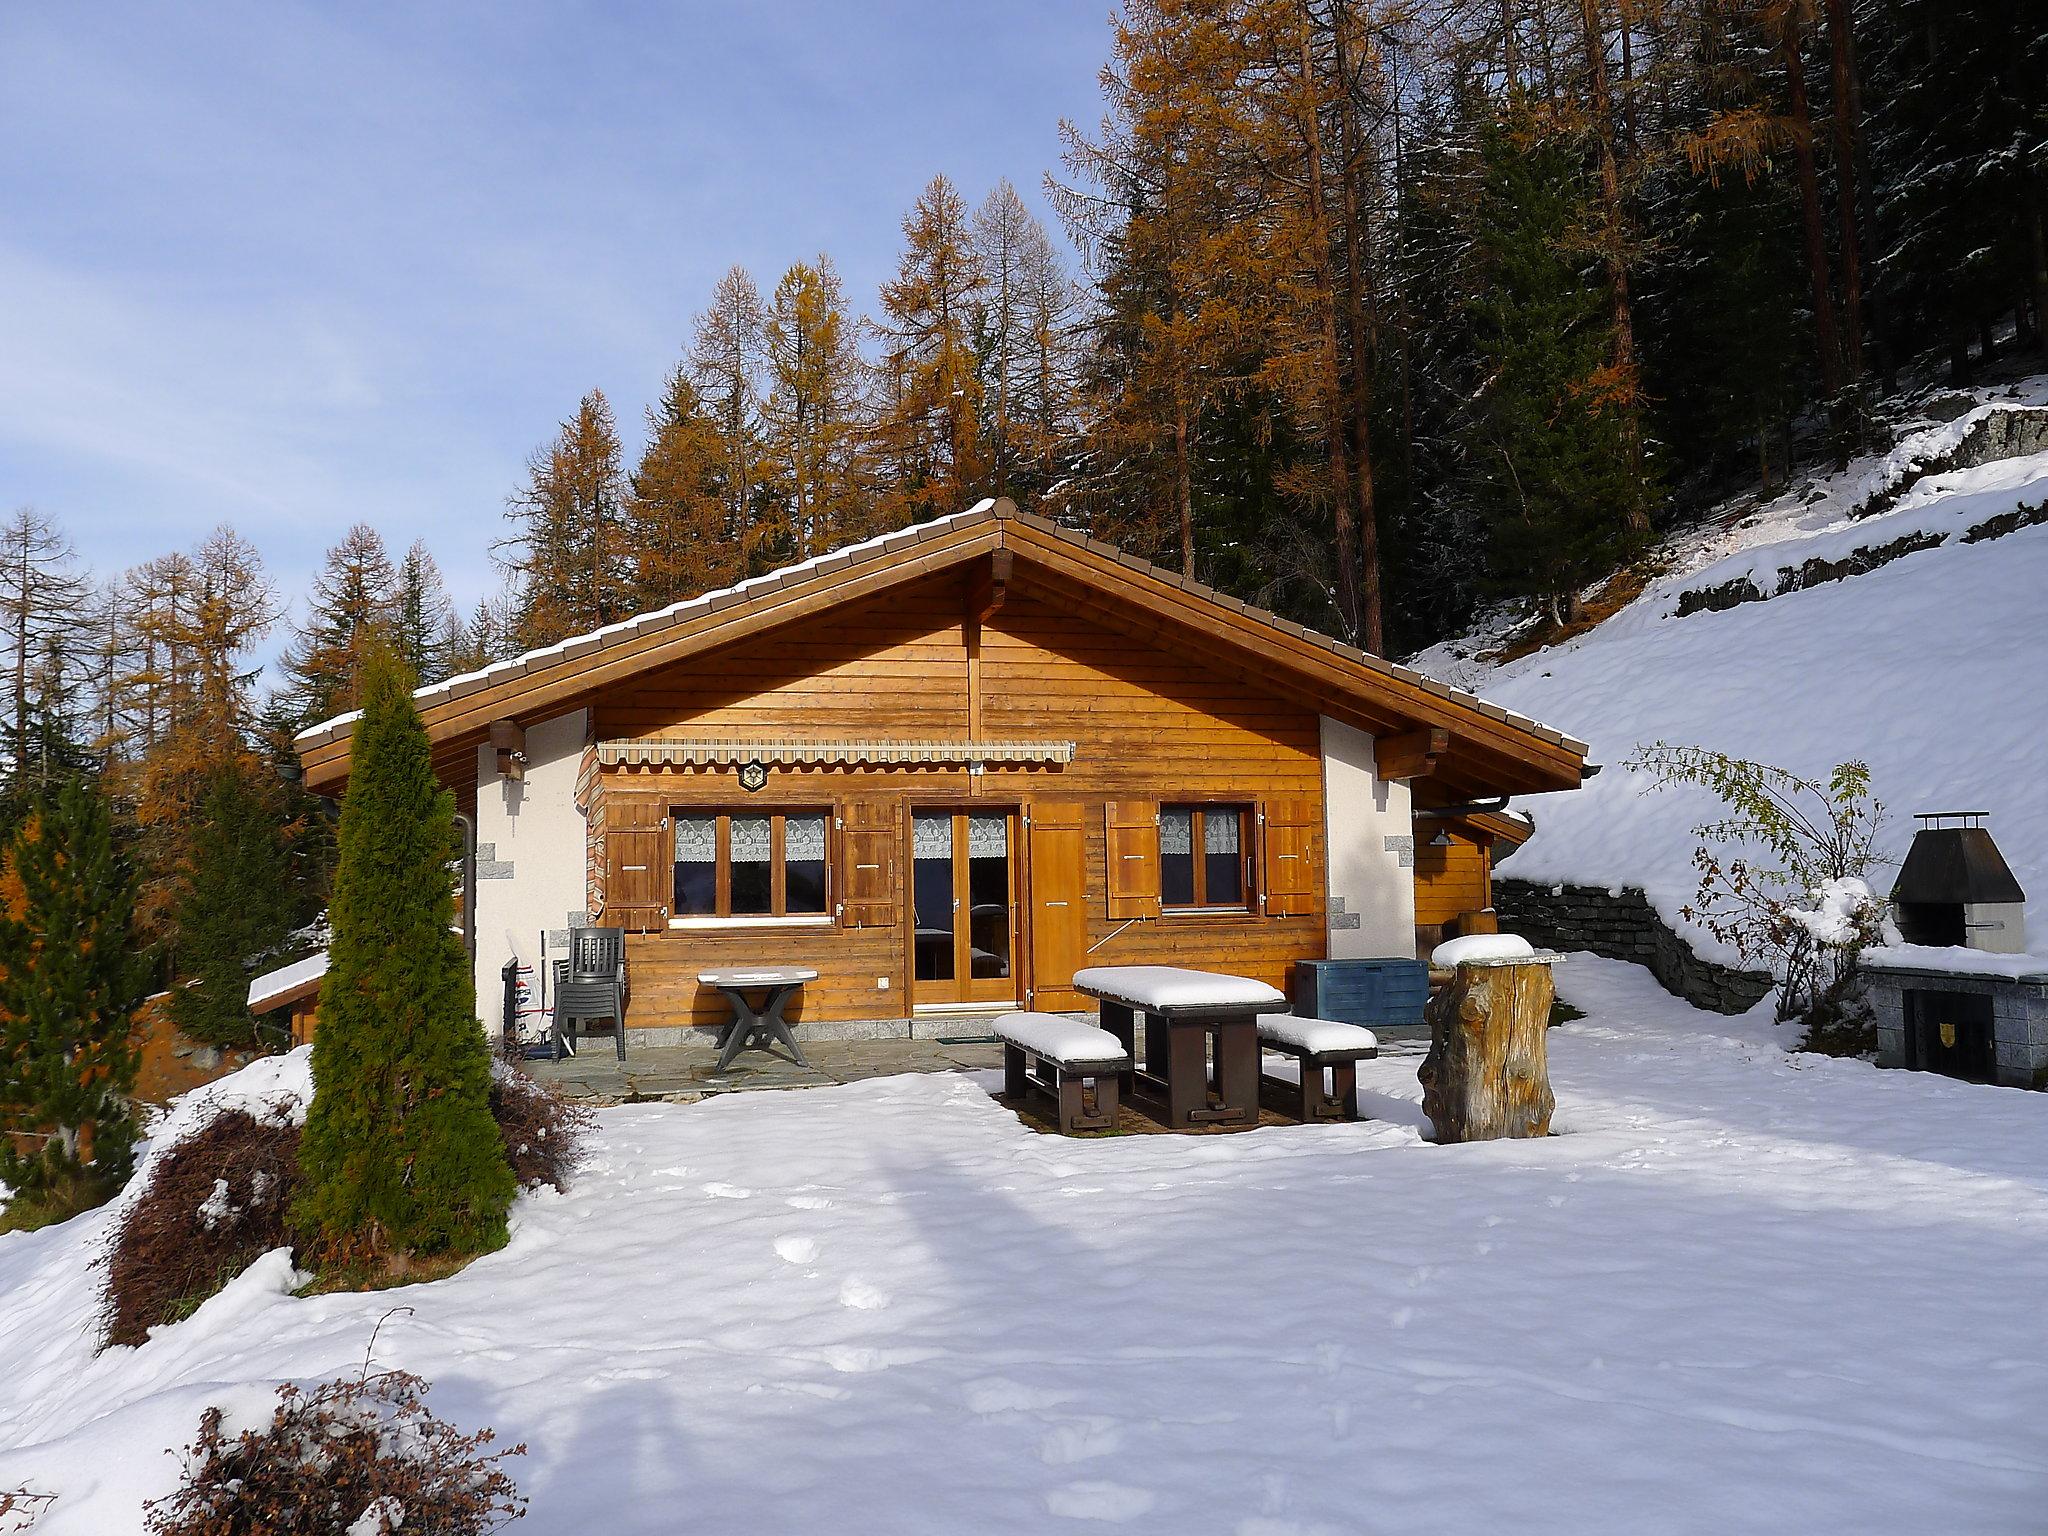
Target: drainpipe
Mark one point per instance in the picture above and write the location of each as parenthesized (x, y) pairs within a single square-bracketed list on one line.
[(468, 825)]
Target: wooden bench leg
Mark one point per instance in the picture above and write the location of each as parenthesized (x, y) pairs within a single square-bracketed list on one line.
[(1311, 1091), (1073, 1096), (1119, 1021), (1187, 1072), (1344, 1089), (1015, 1079)]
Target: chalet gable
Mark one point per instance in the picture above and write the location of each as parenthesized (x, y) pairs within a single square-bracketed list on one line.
[(1426, 730)]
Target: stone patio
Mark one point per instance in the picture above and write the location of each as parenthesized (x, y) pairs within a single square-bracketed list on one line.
[(682, 1073)]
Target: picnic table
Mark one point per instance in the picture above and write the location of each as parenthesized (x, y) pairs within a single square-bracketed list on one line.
[(757, 1026), (1184, 1010)]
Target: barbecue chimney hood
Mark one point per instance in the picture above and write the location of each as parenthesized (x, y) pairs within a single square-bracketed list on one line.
[(1956, 889)]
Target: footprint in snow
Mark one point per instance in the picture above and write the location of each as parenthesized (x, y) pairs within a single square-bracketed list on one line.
[(808, 1202), (796, 1250), (862, 1296), (1114, 1502), (1079, 1440), (726, 1191)]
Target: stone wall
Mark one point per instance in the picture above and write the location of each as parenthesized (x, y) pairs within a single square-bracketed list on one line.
[(1623, 926)]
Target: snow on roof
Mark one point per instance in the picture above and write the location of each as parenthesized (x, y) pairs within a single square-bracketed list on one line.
[(274, 987), (915, 533)]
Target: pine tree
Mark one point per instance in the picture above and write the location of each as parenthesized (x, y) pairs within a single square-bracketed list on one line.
[(423, 622), (930, 428), (70, 983), (571, 548), (725, 366), (42, 598), (809, 418), (401, 1155), (1550, 465), (677, 531), (491, 635), (233, 904), (354, 593)]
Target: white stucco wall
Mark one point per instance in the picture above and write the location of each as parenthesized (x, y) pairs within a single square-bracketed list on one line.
[(532, 826), (1369, 831)]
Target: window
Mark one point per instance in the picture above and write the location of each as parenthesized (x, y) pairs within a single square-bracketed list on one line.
[(1205, 856), (750, 864)]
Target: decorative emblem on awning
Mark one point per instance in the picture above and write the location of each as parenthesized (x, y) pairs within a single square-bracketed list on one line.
[(654, 752)]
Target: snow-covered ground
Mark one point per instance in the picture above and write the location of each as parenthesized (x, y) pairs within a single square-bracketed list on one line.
[(1933, 669), (1742, 1291)]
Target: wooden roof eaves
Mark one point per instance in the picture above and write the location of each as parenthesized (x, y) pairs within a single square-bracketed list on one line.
[(1286, 626), (1557, 757)]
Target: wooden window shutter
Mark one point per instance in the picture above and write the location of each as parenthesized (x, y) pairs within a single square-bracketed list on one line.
[(868, 839), (1131, 850), (1289, 874), (636, 865), (1058, 868)]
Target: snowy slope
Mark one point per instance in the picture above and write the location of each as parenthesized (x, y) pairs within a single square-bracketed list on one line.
[(1932, 668), (1741, 1291)]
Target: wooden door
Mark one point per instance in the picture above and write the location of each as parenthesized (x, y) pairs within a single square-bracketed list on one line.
[(963, 886), (1057, 870)]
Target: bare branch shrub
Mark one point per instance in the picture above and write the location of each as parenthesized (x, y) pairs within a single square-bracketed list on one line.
[(1782, 876), (542, 1131), (214, 1204), (21, 1508), (358, 1456)]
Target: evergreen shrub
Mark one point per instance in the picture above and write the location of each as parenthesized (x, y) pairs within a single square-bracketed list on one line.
[(401, 1156)]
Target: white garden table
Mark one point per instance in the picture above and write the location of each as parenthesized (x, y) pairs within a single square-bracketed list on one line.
[(1183, 1009), (757, 1027)]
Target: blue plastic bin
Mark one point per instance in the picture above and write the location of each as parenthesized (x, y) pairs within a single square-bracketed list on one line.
[(1371, 992)]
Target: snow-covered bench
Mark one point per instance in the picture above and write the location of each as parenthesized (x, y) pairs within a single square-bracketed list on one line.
[(1321, 1045), (1077, 1063)]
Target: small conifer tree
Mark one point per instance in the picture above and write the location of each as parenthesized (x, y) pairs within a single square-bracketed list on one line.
[(233, 905), (401, 1156), (70, 983)]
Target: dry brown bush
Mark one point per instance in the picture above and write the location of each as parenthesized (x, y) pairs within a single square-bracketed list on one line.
[(184, 1237), (357, 1455), (215, 1203), (542, 1131)]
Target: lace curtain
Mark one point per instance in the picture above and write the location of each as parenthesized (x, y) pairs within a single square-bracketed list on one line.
[(750, 839), (803, 837), (1219, 832), (696, 839), (1176, 832), (988, 837)]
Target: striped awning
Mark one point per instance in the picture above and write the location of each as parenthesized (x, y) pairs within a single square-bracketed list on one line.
[(660, 752)]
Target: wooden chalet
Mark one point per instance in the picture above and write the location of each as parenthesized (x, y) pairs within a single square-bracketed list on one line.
[(947, 768)]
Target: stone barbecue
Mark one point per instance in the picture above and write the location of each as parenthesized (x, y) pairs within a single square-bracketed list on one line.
[(1961, 996)]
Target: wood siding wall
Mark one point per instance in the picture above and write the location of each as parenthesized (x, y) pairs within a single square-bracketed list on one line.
[(1149, 727), (1450, 880)]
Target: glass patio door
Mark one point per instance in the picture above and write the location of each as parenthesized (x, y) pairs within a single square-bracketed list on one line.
[(963, 890)]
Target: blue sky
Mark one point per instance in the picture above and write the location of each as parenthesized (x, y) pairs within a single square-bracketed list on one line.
[(291, 266)]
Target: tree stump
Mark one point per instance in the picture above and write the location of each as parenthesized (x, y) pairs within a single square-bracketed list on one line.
[(1487, 1074)]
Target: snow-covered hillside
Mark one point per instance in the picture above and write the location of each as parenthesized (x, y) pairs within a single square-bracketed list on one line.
[(1932, 667), (1739, 1291)]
